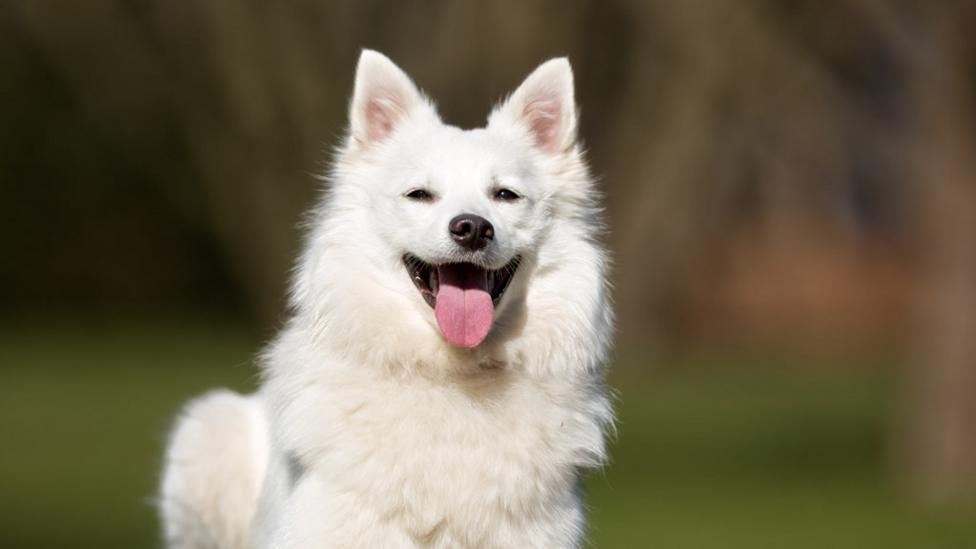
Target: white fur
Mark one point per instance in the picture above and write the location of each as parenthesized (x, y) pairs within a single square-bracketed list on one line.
[(370, 430)]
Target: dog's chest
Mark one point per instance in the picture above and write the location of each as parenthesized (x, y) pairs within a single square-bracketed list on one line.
[(437, 457)]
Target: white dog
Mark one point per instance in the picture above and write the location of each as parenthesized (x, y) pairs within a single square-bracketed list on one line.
[(440, 382)]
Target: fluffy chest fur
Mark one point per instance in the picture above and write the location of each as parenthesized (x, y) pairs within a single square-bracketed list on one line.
[(488, 457)]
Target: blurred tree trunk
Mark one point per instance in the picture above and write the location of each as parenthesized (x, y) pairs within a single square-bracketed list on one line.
[(737, 104), (939, 438)]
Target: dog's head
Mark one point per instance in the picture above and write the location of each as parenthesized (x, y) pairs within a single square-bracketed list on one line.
[(468, 217)]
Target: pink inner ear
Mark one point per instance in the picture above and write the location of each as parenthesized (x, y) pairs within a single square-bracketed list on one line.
[(379, 118), (543, 117)]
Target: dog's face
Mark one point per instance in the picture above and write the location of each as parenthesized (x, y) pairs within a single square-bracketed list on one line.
[(469, 212), (461, 209)]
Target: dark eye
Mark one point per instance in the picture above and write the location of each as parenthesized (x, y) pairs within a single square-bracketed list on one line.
[(506, 194), (419, 195)]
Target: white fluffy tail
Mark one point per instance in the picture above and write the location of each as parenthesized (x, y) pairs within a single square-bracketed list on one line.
[(214, 468)]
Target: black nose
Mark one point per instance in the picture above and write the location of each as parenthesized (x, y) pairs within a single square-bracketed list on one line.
[(471, 231)]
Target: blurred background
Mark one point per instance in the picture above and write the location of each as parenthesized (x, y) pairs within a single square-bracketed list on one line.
[(791, 193)]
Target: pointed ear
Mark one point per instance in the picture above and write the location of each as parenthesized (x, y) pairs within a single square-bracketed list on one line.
[(383, 97), (545, 106)]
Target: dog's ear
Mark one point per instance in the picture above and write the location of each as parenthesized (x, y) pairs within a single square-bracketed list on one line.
[(383, 97), (544, 105)]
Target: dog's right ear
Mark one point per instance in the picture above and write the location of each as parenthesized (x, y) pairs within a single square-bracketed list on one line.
[(544, 106), (383, 97)]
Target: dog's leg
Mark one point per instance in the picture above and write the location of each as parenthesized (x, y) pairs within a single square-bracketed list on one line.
[(212, 477)]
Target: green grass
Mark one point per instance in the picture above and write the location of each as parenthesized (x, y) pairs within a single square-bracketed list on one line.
[(721, 451), (758, 453), (84, 414)]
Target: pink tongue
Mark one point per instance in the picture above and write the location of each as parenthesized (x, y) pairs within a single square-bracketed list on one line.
[(464, 310)]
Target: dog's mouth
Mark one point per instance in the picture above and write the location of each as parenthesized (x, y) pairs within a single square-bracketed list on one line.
[(463, 295)]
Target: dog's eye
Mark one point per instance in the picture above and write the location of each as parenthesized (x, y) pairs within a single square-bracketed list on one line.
[(506, 194), (419, 195)]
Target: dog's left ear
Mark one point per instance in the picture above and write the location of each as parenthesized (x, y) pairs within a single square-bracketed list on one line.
[(383, 98), (544, 105)]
